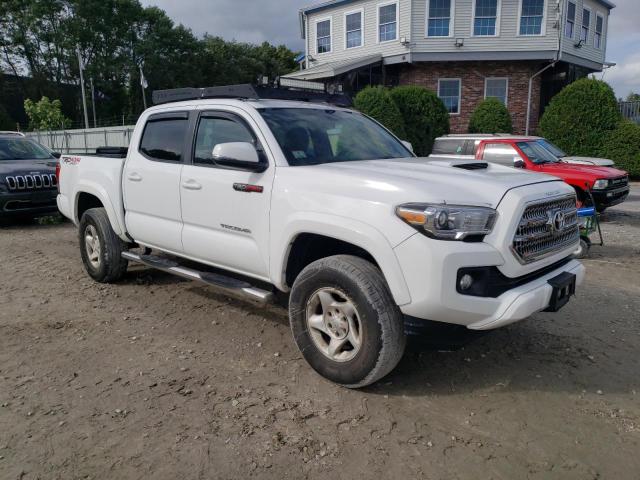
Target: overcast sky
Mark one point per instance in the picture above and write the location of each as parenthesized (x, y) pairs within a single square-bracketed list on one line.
[(276, 21)]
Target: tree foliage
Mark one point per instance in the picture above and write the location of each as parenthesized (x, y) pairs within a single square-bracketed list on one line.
[(622, 145), (490, 116), (580, 116), (39, 39), (378, 104), (6, 122), (425, 116), (45, 114)]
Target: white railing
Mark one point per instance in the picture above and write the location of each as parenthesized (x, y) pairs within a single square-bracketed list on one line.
[(630, 110), (84, 140)]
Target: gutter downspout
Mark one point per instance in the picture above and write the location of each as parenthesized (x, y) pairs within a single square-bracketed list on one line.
[(551, 65)]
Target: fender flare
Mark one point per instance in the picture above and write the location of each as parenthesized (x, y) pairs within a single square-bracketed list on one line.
[(347, 230), (116, 219)]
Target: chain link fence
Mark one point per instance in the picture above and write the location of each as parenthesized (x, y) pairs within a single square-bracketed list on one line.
[(83, 141)]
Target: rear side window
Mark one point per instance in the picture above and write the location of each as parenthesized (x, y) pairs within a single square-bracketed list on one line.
[(163, 138), (501, 153), (449, 147)]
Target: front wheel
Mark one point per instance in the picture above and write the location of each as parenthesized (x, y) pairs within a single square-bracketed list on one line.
[(345, 321), (100, 247)]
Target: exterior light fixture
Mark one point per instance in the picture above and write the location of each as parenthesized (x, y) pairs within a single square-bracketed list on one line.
[(459, 42)]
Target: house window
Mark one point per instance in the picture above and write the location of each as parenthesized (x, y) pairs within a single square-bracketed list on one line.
[(496, 88), (586, 24), (571, 20), (449, 93), (485, 18), (353, 25), (597, 37), (388, 22), (531, 17), (439, 18), (323, 30)]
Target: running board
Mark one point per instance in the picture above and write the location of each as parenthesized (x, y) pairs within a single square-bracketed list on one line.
[(229, 284)]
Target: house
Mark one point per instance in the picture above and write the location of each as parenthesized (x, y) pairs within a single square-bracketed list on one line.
[(519, 51)]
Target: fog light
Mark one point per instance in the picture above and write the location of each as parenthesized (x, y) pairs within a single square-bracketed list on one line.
[(465, 282)]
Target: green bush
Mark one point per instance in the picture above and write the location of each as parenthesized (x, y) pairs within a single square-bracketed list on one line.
[(377, 103), (622, 145), (580, 116), (425, 116), (490, 116)]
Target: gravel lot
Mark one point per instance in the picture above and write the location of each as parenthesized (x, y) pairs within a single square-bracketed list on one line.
[(162, 378)]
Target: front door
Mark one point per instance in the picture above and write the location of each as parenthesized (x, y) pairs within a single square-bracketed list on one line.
[(151, 182), (226, 211)]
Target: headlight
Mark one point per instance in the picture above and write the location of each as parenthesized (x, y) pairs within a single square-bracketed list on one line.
[(600, 184), (448, 222)]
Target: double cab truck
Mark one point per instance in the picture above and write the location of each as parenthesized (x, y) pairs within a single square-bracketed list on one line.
[(593, 182), (259, 195), (27, 178)]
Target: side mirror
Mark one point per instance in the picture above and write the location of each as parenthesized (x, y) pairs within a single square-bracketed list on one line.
[(56, 154), (242, 155), (519, 163), (408, 145)]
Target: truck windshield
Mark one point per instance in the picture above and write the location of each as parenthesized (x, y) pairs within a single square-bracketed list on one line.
[(537, 153), (312, 136), (554, 149), (22, 149)]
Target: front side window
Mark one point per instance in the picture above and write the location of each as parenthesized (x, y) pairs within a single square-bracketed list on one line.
[(439, 18), (311, 136), (323, 31), (537, 153), (597, 37), (214, 130), (586, 24), (449, 93), (388, 22), (500, 153), (531, 17), (163, 139), (570, 25), (21, 148), (353, 22), (496, 88), (485, 18)]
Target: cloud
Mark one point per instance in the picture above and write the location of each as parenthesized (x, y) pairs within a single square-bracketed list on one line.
[(625, 77)]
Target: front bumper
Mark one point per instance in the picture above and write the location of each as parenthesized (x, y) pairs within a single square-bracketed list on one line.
[(20, 204), (611, 197), (431, 275)]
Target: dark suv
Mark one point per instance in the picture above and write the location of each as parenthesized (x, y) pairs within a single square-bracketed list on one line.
[(28, 185)]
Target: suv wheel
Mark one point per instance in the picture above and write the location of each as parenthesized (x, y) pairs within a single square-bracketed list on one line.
[(345, 321), (100, 247)]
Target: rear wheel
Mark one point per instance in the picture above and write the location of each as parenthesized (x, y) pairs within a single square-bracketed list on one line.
[(100, 247), (345, 321)]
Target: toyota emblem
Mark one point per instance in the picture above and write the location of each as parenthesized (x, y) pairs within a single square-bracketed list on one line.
[(556, 221)]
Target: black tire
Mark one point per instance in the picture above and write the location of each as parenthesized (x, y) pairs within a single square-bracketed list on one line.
[(382, 337), (583, 249), (111, 266)]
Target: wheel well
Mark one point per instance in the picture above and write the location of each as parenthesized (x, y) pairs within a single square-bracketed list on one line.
[(309, 247), (581, 194), (87, 201)]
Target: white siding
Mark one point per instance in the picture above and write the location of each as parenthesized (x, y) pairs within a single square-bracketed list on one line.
[(371, 45), (587, 51), (507, 40)]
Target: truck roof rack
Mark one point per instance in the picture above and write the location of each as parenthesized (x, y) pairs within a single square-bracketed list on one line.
[(252, 92)]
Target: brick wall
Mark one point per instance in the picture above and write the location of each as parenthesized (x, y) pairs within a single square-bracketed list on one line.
[(473, 75)]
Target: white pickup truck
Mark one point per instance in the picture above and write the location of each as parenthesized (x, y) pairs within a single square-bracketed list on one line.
[(321, 202)]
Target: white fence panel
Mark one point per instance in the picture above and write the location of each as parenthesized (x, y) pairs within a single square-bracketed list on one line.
[(84, 140)]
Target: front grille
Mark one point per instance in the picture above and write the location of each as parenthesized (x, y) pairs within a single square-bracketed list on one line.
[(25, 183), (619, 182), (545, 229)]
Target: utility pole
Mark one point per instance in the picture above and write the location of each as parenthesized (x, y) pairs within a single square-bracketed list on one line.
[(84, 100), (93, 102)]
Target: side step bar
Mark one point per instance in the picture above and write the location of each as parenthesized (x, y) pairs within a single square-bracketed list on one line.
[(229, 284)]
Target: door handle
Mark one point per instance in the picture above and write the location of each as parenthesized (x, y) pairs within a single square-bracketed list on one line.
[(191, 185), (134, 177)]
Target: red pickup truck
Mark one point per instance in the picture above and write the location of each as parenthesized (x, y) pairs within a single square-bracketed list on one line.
[(609, 186)]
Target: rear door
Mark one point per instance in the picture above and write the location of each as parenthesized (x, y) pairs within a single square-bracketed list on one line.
[(151, 181), (225, 210)]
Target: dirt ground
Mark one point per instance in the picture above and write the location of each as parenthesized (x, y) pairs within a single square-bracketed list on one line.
[(162, 378)]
